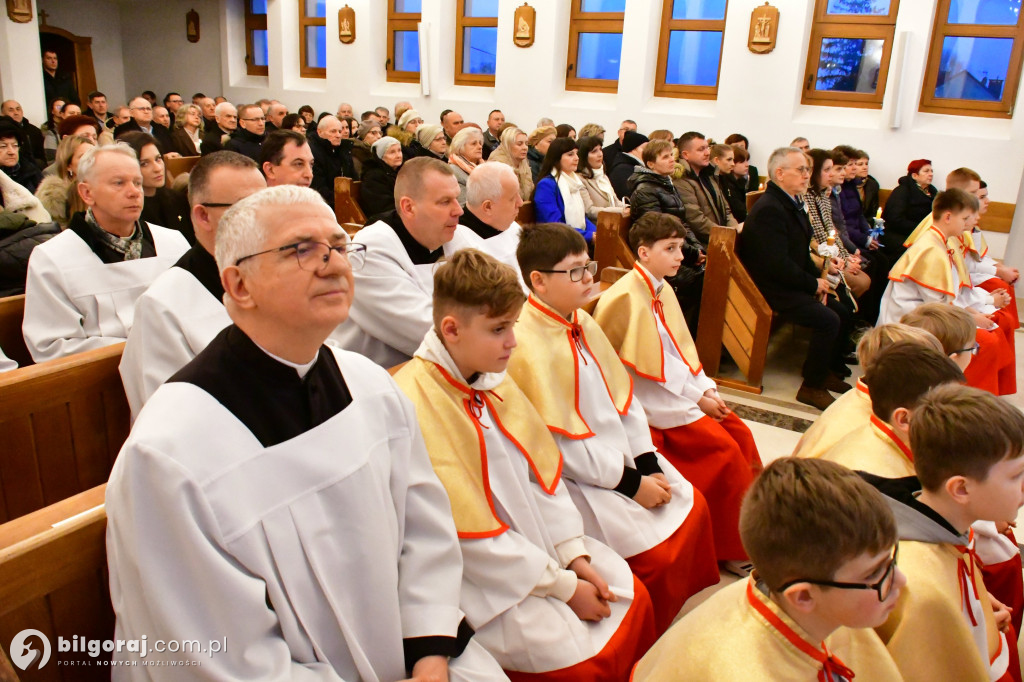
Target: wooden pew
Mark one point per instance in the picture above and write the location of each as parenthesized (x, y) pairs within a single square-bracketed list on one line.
[(527, 214), (611, 241), (63, 423), (733, 313), (752, 198), (179, 165), (53, 578), (998, 218), (12, 312), (346, 203)]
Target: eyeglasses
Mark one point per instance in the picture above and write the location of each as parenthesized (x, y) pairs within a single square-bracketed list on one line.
[(141, 108), (973, 350), (883, 587), (802, 170), (314, 256), (215, 205), (261, 118), (576, 274)]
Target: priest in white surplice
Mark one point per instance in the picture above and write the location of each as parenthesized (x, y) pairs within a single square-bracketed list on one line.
[(492, 206), (183, 309), (392, 312), (82, 285), (277, 495)]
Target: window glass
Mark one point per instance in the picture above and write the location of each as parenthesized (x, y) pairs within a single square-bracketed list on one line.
[(259, 47), (869, 7), (407, 51), (598, 55), (408, 7), (973, 68), (693, 57), (479, 49), (603, 6), (316, 46), (698, 9), (481, 8), (849, 65), (316, 8), (259, 6), (987, 12)]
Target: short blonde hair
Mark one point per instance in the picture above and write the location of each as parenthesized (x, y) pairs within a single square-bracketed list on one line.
[(952, 326), (180, 116), (66, 151), (662, 134), (539, 134), (474, 282), (591, 130), (877, 339)]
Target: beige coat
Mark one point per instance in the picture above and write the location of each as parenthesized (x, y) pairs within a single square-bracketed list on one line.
[(596, 200), (702, 211)]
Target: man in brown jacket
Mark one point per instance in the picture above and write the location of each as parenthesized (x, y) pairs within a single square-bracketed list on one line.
[(703, 202)]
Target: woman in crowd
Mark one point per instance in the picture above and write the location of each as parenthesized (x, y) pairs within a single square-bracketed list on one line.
[(405, 131), (465, 154), (849, 199), (430, 142), (294, 122), (908, 204), (867, 187), (161, 205), (187, 137), (59, 192), (86, 126), (599, 195), (538, 142), (565, 130), (558, 197), (751, 180), (368, 133), (650, 185), (352, 125), (733, 187), (592, 130), (307, 113), (51, 138), (512, 151), (380, 172)]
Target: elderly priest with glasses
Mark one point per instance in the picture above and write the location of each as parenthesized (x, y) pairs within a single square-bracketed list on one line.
[(276, 493)]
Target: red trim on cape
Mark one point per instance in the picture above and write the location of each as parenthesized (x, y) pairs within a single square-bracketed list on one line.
[(891, 435), (657, 310)]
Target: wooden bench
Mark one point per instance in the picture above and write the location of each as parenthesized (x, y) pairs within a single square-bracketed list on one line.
[(611, 242), (179, 165), (527, 214), (12, 313), (63, 422), (999, 217), (53, 578), (346, 204)]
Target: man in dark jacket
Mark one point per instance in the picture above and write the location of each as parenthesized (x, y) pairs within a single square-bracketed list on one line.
[(704, 204), (226, 117), (142, 121), (774, 247), (332, 157), (633, 144), (11, 111), (612, 151), (251, 131), (57, 85)]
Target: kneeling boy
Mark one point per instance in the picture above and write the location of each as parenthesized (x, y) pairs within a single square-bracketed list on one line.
[(546, 601)]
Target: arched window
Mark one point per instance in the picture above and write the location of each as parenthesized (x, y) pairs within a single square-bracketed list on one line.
[(690, 49), (476, 42), (595, 45), (313, 38), (256, 52), (403, 61)]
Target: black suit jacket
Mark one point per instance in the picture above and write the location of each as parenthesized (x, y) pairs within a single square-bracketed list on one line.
[(162, 134), (775, 248)]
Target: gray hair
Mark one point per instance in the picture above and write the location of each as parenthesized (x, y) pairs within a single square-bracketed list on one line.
[(779, 157), (242, 230), (544, 122), (223, 108), (326, 121), (462, 138), (484, 183), (87, 164), (136, 99)]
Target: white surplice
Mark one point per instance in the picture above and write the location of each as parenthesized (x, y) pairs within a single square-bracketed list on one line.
[(393, 306), (312, 558), (75, 302), (174, 320), (501, 246), (6, 364)]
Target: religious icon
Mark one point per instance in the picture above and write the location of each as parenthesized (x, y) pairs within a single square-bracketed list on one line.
[(764, 28), (523, 26), (347, 25), (192, 26), (19, 11)]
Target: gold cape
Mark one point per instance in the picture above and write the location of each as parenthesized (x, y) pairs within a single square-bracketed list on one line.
[(626, 313), (455, 442), (544, 366), (969, 242), (848, 413), (873, 448), (928, 263), (725, 638)]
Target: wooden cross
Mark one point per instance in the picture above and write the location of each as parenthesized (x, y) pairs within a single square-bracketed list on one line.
[(42, 17)]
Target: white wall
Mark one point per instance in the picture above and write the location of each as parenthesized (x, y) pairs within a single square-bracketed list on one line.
[(16, 82), (101, 21)]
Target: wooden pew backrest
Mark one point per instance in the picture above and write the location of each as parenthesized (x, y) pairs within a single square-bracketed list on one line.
[(752, 198), (998, 218), (611, 242), (63, 423), (346, 201), (527, 214), (180, 165), (12, 313)]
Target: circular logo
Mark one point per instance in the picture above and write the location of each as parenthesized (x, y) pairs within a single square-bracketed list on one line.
[(22, 653)]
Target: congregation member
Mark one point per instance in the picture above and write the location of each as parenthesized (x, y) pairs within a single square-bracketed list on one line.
[(275, 116), (565, 130), (77, 124), (332, 157), (162, 205), (558, 197), (173, 102), (286, 159), (51, 138), (430, 141), (787, 621), (12, 112), (97, 107), (532, 581), (967, 455), (182, 518), (452, 122), (368, 133), (704, 204), (492, 134), (867, 188), (216, 137), (392, 313), (57, 83), (345, 110), (612, 151), (691, 426), (631, 498), (464, 154), (751, 182), (492, 207), (24, 225), (142, 121), (405, 130), (209, 109), (247, 137), (599, 195), (593, 130), (383, 116), (801, 143), (774, 247), (513, 152), (82, 285), (15, 161), (379, 178), (627, 161), (187, 136), (857, 225), (162, 117), (294, 122), (733, 183), (183, 309), (537, 147), (723, 159)]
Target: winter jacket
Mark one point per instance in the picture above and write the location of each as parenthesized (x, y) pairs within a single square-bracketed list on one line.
[(248, 144), (18, 236), (26, 174), (704, 204), (651, 192), (549, 207), (535, 159), (377, 192), (170, 209), (906, 207), (853, 214), (330, 162), (53, 195), (620, 172)]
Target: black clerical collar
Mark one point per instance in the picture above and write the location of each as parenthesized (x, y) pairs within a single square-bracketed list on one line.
[(267, 396), (199, 263), (484, 230), (418, 254), (904, 490)]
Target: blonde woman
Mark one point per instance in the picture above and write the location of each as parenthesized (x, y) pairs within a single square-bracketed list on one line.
[(58, 192), (465, 153), (538, 142), (599, 195), (512, 152), (187, 137)]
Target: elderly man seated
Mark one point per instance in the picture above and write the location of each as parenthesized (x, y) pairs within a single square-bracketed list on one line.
[(82, 285), (216, 136), (492, 205)]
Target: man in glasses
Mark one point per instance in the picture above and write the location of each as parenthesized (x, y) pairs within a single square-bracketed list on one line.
[(142, 121), (248, 137), (393, 311), (775, 249), (184, 307), (276, 493), (830, 574)]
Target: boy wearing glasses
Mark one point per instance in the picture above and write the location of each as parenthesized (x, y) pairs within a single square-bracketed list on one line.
[(897, 378), (531, 581), (630, 497), (967, 453), (690, 424), (821, 581), (952, 326)]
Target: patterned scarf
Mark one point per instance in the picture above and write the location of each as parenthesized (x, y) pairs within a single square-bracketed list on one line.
[(130, 247), (819, 210), (462, 162)]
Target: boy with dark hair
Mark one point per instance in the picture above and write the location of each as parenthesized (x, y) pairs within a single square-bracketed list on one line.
[(630, 497), (898, 377), (805, 613), (690, 423), (967, 453), (531, 580)]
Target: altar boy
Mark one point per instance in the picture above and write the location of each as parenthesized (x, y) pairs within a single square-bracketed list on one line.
[(690, 423), (631, 498), (548, 603)]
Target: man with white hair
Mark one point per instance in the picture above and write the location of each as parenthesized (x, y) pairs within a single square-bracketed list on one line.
[(142, 121), (256, 500), (345, 110), (82, 285), (492, 205), (217, 136), (332, 156), (209, 108), (275, 114), (396, 287), (183, 309)]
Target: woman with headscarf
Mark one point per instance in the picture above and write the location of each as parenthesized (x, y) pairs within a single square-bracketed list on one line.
[(380, 172), (366, 135), (465, 154), (512, 151), (430, 142)]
